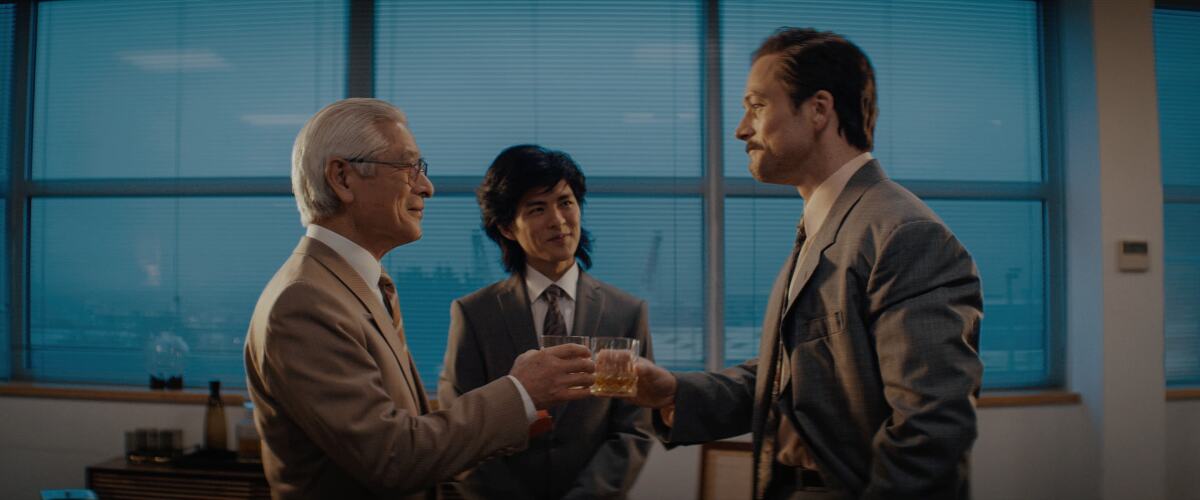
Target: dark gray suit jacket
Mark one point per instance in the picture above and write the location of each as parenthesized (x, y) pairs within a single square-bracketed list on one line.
[(884, 338), (598, 445)]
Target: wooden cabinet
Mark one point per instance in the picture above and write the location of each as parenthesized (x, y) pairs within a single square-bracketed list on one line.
[(117, 480)]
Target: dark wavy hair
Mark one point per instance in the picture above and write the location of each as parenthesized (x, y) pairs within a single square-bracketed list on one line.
[(514, 172), (822, 60)]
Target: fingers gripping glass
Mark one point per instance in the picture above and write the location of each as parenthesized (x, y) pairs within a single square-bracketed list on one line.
[(415, 170)]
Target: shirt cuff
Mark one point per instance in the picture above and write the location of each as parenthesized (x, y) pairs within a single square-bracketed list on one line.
[(530, 411)]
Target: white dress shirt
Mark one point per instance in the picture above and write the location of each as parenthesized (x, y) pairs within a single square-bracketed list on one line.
[(536, 283), (817, 208), (790, 450), (370, 270), (358, 257)]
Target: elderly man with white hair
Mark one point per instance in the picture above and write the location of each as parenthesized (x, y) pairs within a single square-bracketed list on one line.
[(339, 404)]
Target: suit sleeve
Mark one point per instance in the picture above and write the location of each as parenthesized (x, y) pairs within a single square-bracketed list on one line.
[(926, 305), (710, 405), (463, 367), (615, 466), (319, 367)]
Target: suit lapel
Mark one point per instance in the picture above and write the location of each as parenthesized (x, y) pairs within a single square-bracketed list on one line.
[(589, 308), (866, 176), (383, 321), (768, 351), (518, 316)]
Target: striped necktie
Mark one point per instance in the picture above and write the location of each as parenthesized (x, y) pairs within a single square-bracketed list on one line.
[(554, 324)]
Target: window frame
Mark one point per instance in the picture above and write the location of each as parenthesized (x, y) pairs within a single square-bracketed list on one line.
[(1181, 194)]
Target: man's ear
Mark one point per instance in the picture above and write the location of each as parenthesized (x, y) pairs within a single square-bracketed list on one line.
[(337, 176), (821, 110), (507, 233)]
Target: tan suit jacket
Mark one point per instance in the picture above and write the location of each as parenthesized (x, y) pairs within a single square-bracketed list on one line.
[(340, 408), (598, 445)]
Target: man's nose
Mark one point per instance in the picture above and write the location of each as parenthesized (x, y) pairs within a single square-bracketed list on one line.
[(557, 217), (424, 186), (743, 131)]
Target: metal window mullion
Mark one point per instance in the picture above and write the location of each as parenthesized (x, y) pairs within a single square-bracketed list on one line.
[(1181, 194), (360, 49), (713, 190), (1054, 198), (20, 142), (277, 186), (959, 190)]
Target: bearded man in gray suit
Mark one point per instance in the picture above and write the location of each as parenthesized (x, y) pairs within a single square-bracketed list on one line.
[(530, 202), (868, 369)]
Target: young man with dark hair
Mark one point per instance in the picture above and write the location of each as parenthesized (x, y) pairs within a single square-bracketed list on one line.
[(868, 369), (530, 203)]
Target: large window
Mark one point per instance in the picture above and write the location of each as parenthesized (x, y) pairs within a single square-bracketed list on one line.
[(614, 84), (6, 80), (157, 185), (1177, 66), (193, 100)]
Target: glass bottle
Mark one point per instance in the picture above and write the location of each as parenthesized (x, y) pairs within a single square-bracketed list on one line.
[(215, 437)]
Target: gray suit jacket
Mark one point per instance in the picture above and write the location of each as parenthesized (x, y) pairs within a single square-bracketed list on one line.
[(598, 445), (883, 336), (338, 403)]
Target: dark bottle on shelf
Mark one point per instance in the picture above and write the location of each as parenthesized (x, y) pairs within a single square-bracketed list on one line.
[(215, 437)]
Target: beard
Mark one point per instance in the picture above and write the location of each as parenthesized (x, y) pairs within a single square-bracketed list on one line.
[(770, 169)]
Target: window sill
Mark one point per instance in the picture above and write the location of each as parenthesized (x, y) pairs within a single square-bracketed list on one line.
[(994, 399), (1183, 394), (1007, 399), (125, 394)]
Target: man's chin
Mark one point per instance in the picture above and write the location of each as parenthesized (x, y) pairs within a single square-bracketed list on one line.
[(769, 176), (410, 236)]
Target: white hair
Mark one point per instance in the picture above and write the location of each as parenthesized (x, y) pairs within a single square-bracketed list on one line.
[(349, 128)]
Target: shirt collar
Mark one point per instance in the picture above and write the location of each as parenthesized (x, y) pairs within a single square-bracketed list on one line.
[(358, 257), (817, 208), (536, 282)]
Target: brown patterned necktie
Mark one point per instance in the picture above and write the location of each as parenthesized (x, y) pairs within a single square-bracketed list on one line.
[(554, 324), (389, 298)]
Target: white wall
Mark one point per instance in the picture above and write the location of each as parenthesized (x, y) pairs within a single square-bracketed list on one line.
[(1022, 453), (1183, 450)]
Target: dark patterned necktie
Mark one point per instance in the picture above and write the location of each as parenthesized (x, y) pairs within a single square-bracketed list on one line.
[(389, 298), (554, 324), (779, 373)]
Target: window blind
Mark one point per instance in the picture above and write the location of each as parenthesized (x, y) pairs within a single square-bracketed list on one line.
[(107, 275), (1177, 66), (959, 97), (181, 88), (615, 84), (6, 79), (657, 259)]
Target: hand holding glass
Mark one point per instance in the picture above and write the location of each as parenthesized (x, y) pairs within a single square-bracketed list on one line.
[(616, 366), (553, 340)]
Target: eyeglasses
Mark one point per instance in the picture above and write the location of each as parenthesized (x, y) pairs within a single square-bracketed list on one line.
[(419, 168)]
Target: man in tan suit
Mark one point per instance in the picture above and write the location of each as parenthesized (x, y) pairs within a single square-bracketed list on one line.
[(339, 404)]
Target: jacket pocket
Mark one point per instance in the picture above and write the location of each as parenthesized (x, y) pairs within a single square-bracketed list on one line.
[(825, 326)]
